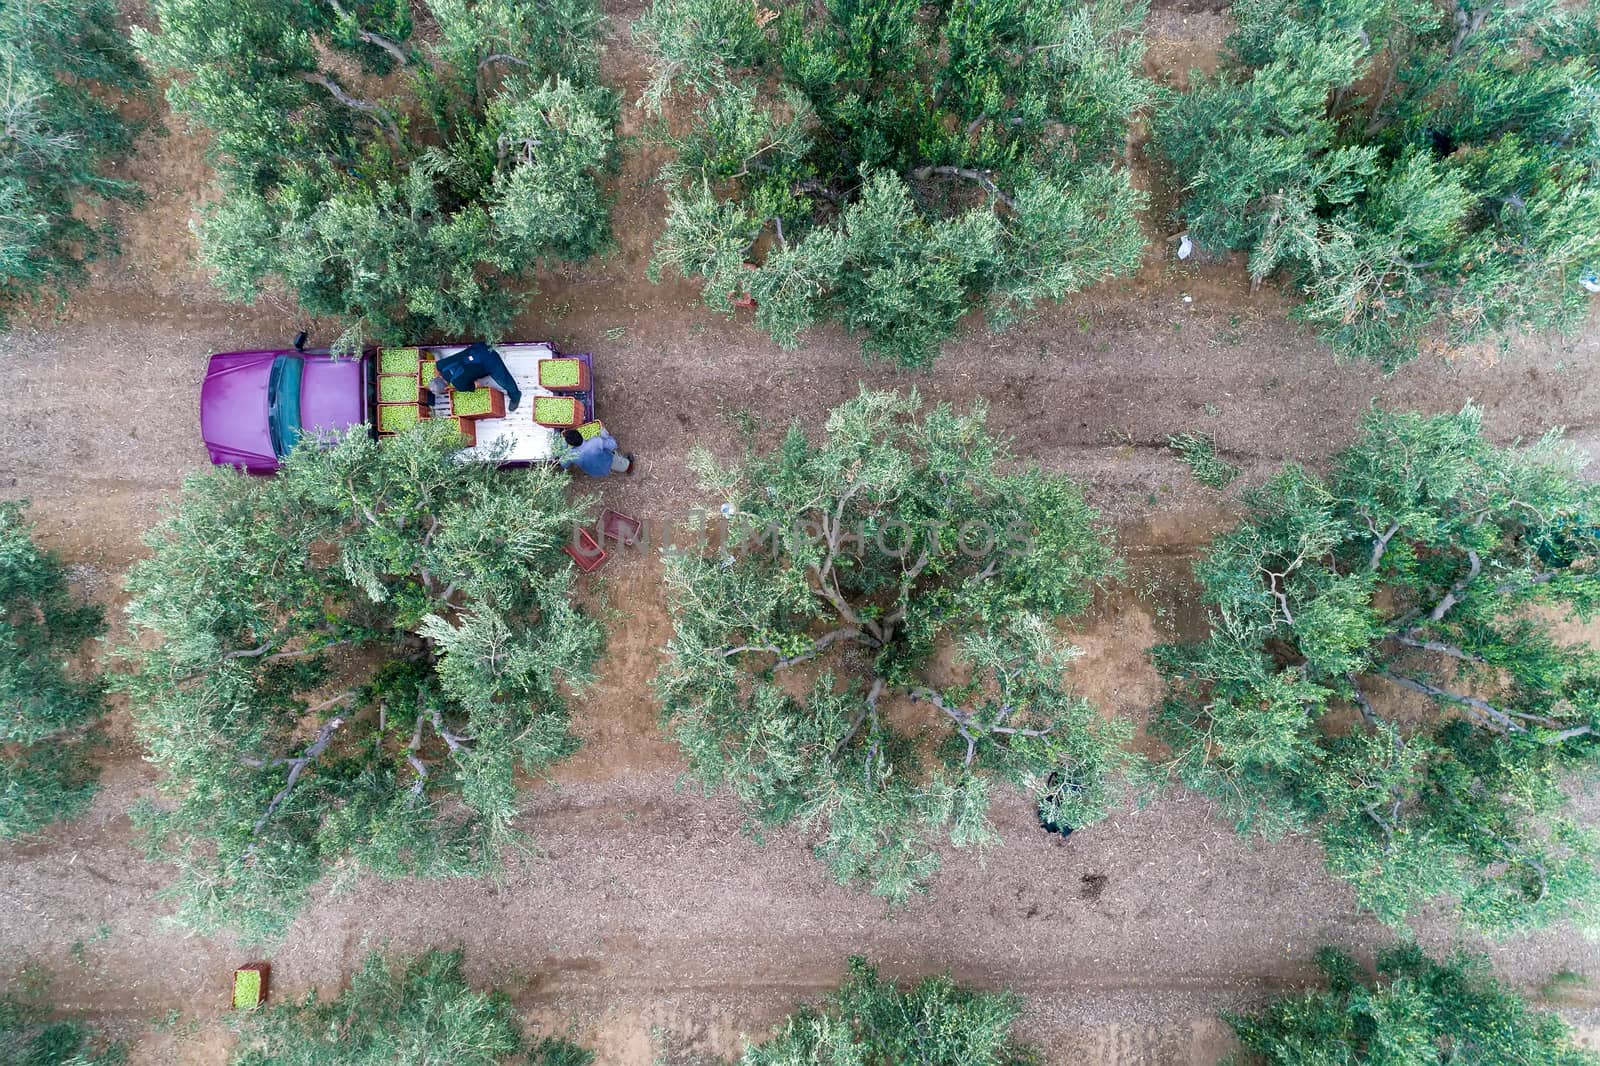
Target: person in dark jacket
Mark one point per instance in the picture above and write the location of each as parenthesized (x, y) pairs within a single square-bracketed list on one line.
[(463, 370), (596, 456), (1056, 785)]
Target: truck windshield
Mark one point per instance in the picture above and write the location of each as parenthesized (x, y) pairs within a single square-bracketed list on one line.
[(283, 403)]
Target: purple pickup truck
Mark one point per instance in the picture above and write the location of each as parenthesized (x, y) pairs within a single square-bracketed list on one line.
[(255, 405)]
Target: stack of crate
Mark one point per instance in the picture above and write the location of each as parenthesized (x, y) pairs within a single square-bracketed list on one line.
[(400, 403), (568, 379)]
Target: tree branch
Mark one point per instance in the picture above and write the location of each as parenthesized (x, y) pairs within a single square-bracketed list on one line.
[(830, 592), (1362, 703), (728, 653), (1506, 723), (964, 720), (1381, 545), (872, 710), (1280, 595), (832, 533), (819, 645), (1375, 123), (379, 115), (261, 653), (1434, 645), (813, 185), (869, 708), (907, 579), (276, 656), (1543, 577), (298, 766), (1453, 597), (1536, 719), (1466, 26), (983, 179), (333, 701), (378, 39), (827, 585), (456, 744), (501, 57), (1383, 823), (850, 734), (262, 764), (422, 773)]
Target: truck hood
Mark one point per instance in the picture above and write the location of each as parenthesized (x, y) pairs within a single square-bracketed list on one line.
[(233, 411), (233, 404)]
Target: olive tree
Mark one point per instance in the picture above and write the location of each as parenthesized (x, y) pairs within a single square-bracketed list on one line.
[(1388, 668), (342, 668), (401, 1012), (1417, 1012), (405, 182), (33, 1034), (1419, 170), (893, 165), (50, 708), (68, 71), (874, 645), (868, 1021)]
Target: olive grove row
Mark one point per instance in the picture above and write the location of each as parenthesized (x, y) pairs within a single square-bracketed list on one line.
[(411, 1011), (1388, 669), (1418, 172)]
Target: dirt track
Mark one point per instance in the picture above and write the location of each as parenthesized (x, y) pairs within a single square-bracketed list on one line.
[(648, 906)]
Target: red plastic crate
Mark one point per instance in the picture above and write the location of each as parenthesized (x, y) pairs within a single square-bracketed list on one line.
[(622, 528), (586, 551)]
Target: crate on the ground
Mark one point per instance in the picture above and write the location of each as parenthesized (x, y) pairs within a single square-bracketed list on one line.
[(250, 985), (620, 527), (586, 552)]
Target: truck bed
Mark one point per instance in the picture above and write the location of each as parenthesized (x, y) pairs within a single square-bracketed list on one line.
[(523, 439)]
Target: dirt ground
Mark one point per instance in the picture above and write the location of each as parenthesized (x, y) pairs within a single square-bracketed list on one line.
[(647, 907)]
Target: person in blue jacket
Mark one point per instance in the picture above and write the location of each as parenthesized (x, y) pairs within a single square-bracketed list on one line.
[(596, 456)]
